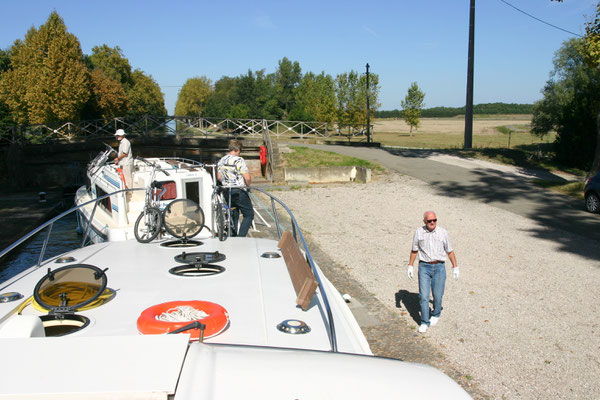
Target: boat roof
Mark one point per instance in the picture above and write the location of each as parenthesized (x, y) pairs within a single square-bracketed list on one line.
[(257, 293)]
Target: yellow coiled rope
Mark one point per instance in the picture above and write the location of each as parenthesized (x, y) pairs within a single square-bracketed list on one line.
[(105, 297)]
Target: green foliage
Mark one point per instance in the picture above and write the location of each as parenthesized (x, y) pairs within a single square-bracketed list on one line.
[(570, 106), (48, 81), (478, 109), (109, 99), (315, 99), (412, 106), (193, 96), (351, 93), (287, 78), (304, 157), (112, 62), (220, 101), (145, 96)]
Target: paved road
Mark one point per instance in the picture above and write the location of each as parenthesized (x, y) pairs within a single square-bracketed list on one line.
[(554, 212)]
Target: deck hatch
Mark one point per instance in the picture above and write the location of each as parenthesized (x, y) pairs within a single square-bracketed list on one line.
[(198, 264), (65, 290)]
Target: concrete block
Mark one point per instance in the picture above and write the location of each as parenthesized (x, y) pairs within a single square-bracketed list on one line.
[(328, 174)]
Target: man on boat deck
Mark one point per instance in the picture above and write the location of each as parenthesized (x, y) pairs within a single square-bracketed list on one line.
[(431, 243), (124, 157), (233, 171)]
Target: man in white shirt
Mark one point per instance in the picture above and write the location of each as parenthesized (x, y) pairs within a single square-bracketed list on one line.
[(233, 171), (432, 244), (124, 157)]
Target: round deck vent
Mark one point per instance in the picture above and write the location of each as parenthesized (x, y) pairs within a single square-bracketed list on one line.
[(63, 324), (64, 260), (10, 296), (182, 243), (293, 326), (197, 270), (270, 254)]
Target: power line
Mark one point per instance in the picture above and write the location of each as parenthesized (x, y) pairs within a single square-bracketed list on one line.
[(542, 21)]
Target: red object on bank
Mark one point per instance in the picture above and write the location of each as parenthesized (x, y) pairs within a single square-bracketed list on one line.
[(263, 155)]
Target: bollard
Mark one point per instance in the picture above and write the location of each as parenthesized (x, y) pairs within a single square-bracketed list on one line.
[(42, 197)]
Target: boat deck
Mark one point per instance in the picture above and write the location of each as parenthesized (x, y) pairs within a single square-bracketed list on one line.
[(257, 292)]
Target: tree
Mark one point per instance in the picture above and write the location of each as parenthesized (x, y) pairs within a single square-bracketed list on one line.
[(5, 116), (351, 93), (570, 106), (113, 63), (287, 78), (109, 99), (220, 101), (315, 99), (412, 106), (193, 96), (592, 47), (48, 81), (145, 96)]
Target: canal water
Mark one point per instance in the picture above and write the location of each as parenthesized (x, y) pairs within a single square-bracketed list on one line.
[(64, 237)]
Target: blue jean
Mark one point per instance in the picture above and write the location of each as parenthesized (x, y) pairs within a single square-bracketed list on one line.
[(432, 279), (240, 199)]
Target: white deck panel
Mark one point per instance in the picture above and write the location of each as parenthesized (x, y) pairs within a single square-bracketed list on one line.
[(115, 367), (257, 292)]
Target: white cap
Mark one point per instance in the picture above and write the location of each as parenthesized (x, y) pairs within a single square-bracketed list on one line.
[(120, 132)]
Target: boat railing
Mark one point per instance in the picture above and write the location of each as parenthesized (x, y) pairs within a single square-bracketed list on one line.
[(296, 232), (49, 224)]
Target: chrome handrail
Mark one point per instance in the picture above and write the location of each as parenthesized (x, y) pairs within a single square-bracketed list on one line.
[(53, 220), (298, 232)]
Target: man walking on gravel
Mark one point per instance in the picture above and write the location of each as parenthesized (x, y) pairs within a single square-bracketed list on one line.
[(432, 244)]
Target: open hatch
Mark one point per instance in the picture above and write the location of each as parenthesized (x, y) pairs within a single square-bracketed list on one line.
[(64, 291)]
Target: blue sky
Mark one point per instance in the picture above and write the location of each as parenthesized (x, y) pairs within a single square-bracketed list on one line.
[(403, 41)]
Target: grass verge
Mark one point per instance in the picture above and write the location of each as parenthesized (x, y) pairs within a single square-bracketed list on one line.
[(303, 157)]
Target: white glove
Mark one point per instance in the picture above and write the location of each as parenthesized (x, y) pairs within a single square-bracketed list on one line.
[(410, 271), (455, 273)]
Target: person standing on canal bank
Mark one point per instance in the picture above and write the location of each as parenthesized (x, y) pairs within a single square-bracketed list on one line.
[(124, 157), (432, 244), (233, 171)]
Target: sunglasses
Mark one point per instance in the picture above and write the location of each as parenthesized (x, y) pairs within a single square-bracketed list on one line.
[(431, 220)]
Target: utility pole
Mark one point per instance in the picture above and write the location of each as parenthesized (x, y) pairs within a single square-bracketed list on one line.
[(469, 107), (368, 109)]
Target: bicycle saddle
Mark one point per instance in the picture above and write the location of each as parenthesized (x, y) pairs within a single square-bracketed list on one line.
[(156, 184)]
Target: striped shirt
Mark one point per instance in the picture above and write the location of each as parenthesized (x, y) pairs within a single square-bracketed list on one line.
[(231, 168), (432, 246)]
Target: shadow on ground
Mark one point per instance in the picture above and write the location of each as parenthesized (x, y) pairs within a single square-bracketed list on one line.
[(410, 302)]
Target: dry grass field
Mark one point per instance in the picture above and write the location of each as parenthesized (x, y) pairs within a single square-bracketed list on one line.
[(449, 132)]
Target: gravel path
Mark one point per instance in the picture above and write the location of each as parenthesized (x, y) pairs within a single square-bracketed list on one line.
[(522, 321)]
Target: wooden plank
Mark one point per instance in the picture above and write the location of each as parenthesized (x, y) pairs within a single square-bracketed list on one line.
[(302, 276)]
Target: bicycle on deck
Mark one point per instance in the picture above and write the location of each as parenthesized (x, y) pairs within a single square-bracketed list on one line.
[(149, 223)]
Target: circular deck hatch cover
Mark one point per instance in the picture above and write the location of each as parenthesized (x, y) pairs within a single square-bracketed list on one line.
[(69, 288), (200, 257)]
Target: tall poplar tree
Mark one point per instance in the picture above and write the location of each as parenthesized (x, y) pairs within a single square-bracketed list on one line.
[(48, 81), (412, 106), (193, 96)]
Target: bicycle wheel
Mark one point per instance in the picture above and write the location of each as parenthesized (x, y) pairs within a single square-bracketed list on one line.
[(183, 218), (148, 224), (221, 223)]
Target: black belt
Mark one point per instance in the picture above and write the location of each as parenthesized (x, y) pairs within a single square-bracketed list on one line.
[(432, 262)]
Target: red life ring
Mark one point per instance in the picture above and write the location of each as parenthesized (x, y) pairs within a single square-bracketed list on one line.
[(216, 322), (262, 152), (120, 171)]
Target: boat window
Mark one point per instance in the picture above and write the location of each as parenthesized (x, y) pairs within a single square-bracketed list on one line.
[(171, 192), (104, 203), (192, 191)]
